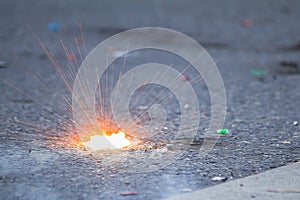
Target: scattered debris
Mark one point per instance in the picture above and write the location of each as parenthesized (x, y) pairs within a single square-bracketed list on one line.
[(295, 123), (289, 64), (127, 182), (258, 72), (186, 190), (286, 142), (185, 78), (196, 142), (165, 128), (128, 193), (232, 175), (54, 26), (3, 64), (296, 160), (222, 131), (246, 142), (247, 23), (219, 178), (169, 145)]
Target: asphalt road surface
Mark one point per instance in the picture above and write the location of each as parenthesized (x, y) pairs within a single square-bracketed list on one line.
[(255, 44)]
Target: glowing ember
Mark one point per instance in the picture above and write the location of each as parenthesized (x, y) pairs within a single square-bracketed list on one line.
[(114, 141)]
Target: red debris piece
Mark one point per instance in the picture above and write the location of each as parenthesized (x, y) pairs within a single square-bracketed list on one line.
[(71, 57), (185, 78), (127, 193), (247, 23)]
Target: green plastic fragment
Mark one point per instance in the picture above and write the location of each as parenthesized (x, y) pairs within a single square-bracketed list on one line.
[(258, 72), (222, 131)]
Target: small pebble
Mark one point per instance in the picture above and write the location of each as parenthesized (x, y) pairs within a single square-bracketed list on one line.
[(219, 178), (143, 107), (186, 190), (295, 123), (169, 145), (186, 106)]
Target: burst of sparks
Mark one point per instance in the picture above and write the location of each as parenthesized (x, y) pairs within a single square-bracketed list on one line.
[(114, 141)]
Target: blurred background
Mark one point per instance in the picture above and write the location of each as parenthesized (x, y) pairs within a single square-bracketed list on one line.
[(241, 24), (255, 44)]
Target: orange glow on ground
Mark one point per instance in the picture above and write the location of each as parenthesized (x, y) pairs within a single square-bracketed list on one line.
[(102, 142)]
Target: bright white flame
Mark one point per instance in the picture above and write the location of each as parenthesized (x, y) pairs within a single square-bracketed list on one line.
[(115, 141)]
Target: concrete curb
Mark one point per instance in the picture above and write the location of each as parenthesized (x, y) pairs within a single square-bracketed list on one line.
[(280, 183)]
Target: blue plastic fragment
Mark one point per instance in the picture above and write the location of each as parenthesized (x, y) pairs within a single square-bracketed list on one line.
[(54, 26)]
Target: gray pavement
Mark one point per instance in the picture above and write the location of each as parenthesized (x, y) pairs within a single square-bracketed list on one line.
[(276, 184), (44, 161)]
